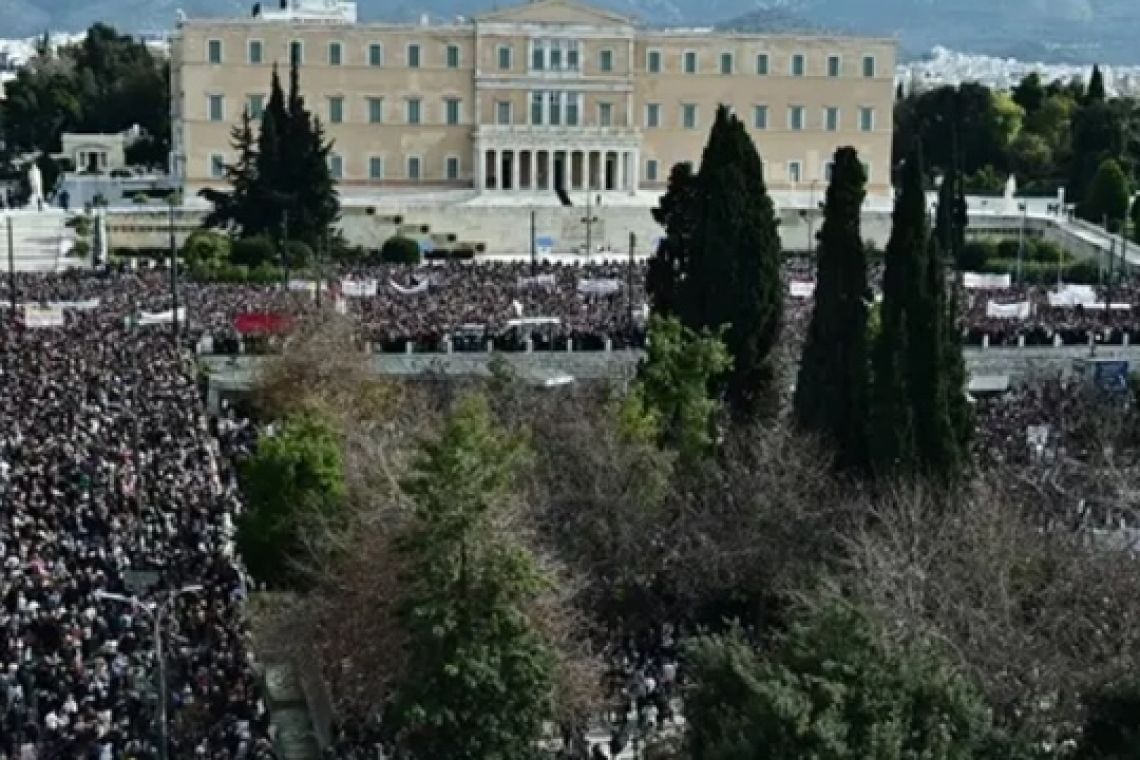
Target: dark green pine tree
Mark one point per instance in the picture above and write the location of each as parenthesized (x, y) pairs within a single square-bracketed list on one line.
[(309, 186), (1095, 92), (733, 274), (893, 446), (234, 211), (272, 163), (833, 388), (676, 215)]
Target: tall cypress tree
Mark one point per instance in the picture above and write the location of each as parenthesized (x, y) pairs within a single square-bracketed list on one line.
[(892, 428), (236, 210), (733, 273), (308, 186), (832, 390), (1095, 92), (676, 215), (272, 160)]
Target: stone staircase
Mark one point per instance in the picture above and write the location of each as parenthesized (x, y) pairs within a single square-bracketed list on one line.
[(290, 725), (40, 239)]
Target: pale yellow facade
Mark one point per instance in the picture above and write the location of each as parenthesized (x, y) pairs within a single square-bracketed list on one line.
[(535, 97)]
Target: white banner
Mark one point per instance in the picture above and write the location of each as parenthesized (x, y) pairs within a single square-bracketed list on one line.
[(160, 317), (801, 289), (303, 286), (37, 317), (1008, 310), (421, 286), (978, 281), (89, 305), (599, 287), (1099, 306), (358, 288), (546, 281), (1073, 295)]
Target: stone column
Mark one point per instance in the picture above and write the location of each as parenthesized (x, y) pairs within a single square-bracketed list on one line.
[(480, 169), (515, 170), (635, 171)]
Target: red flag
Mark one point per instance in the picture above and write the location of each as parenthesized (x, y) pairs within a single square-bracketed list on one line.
[(262, 323)]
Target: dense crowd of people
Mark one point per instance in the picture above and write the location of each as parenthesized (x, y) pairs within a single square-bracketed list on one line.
[(118, 498), (116, 518)]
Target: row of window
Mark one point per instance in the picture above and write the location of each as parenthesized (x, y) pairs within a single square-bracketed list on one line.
[(548, 55), (452, 169), (558, 108)]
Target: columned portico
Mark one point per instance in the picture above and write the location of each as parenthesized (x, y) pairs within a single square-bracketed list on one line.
[(517, 159)]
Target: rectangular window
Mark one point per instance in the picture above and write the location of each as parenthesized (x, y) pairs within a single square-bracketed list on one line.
[(652, 115), (336, 110), (375, 167), (451, 168), (413, 56), (217, 166), (214, 51), (653, 61), (760, 117), (796, 118), (606, 61), (573, 108), (254, 52), (452, 110), (538, 56), (869, 66), (336, 166), (296, 52), (762, 63), (651, 170), (605, 114), (376, 110), (504, 58), (727, 65), (536, 101), (831, 119), (503, 112), (572, 58), (336, 54), (217, 108), (690, 62), (555, 51), (689, 116), (554, 108), (833, 66), (376, 55), (798, 65), (414, 168), (255, 106), (795, 172), (413, 110), (866, 119), (828, 170), (452, 56)]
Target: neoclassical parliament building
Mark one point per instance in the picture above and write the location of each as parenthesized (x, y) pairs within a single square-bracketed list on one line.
[(545, 97)]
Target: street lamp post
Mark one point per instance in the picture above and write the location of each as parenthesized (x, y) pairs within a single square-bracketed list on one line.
[(157, 613), (170, 202)]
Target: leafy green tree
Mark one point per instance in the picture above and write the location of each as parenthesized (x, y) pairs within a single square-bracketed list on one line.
[(732, 277), (206, 250), (1109, 195), (238, 211), (830, 691), (253, 252), (676, 215), (832, 390), (1097, 131), (106, 83), (314, 205), (478, 673), (1030, 93), (673, 385), (399, 249), (293, 481), (1112, 725)]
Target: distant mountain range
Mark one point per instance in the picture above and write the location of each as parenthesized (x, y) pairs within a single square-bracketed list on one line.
[(1054, 31)]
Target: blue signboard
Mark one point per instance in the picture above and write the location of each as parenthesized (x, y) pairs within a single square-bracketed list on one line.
[(1111, 376)]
